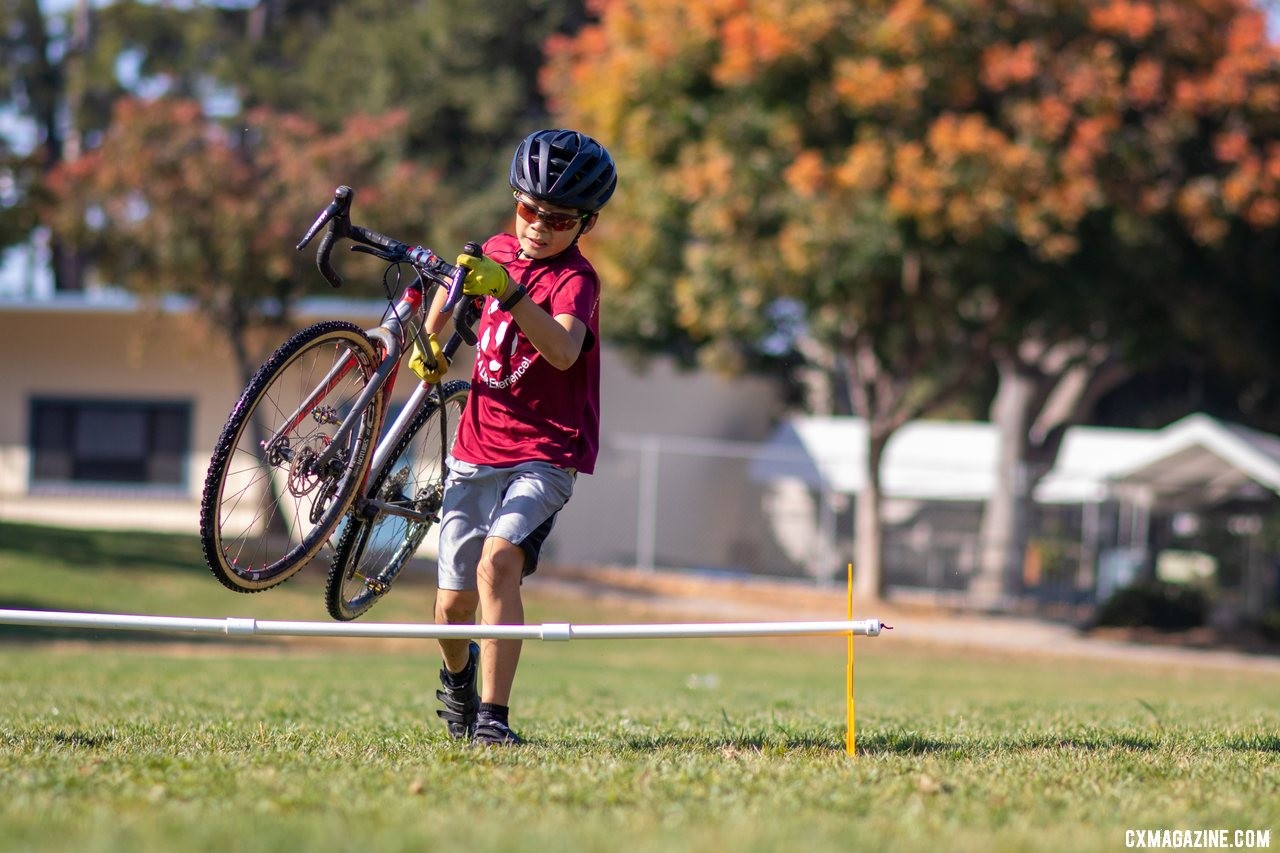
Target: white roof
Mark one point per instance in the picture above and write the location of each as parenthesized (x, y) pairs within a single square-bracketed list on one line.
[(956, 460), (1201, 460)]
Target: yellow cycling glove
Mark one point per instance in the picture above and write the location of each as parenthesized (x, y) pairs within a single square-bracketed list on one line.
[(486, 277), (418, 361)]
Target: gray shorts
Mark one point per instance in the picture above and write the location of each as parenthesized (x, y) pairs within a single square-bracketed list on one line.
[(518, 504)]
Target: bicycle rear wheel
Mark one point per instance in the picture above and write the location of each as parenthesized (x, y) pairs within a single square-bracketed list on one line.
[(379, 537), (267, 507)]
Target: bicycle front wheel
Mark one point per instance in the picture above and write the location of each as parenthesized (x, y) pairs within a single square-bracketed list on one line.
[(386, 530), (275, 491)]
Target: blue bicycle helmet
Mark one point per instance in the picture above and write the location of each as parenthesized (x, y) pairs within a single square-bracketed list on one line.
[(564, 168)]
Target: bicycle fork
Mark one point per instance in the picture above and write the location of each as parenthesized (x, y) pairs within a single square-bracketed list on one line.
[(339, 439)]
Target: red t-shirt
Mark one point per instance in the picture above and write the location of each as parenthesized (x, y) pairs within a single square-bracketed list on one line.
[(521, 408)]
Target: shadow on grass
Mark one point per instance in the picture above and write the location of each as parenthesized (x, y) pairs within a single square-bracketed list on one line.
[(37, 740), (739, 743), (82, 740), (103, 549), (1254, 743), (910, 743), (899, 743)]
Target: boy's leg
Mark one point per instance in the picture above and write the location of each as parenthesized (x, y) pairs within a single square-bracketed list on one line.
[(533, 493), (458, 677), (532, 497), (455, 607), (461, 544), (500, 570)]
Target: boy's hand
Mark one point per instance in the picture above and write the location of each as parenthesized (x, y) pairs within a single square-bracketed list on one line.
[(486, 277), (418, 361)]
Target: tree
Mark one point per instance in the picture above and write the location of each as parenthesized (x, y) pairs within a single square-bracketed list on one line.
[(1172, 127), (62, 73), (172, 201), (38, 84), (935, 184), (756, 185), (465, 72)]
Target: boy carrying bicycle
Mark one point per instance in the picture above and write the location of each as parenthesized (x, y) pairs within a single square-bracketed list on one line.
[(532, 418)]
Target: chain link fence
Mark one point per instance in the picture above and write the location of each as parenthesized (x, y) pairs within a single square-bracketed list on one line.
[(727, 507)]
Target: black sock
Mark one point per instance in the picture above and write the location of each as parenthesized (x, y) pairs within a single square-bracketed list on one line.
[(494, 713), (458, 680)]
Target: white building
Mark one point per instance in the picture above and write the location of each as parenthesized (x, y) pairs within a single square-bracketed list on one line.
[(109, 414), (1116, 502)]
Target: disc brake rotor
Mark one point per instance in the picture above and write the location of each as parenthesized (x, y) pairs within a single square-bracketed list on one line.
[(303, 477)]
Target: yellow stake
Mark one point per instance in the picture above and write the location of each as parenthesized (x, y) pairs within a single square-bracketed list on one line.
[(850, 741)]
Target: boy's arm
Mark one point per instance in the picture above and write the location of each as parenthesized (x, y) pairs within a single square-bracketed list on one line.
[(426, 349), (434, 322), (558, 339)]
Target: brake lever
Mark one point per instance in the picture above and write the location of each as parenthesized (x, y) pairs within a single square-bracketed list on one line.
[(462, 324), (335, 216), (340, 204), (457, 278)]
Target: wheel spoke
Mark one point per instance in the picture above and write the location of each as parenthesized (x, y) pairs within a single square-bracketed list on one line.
[(261, 522), (375, 549)]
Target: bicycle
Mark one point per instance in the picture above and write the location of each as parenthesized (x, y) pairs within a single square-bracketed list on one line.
[(298, 465)]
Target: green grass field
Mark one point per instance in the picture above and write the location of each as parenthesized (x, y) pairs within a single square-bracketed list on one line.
[(135, 742)]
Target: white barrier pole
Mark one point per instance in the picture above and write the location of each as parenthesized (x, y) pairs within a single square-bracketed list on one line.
[(240, 627)]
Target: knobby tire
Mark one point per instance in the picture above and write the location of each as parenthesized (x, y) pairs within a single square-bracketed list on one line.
[(374, 546), (261, 519)]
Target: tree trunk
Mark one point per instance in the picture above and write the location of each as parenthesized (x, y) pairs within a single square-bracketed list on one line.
[(1044, 389), (57, 94), (1002, 535), (886, 392), (233, 323), (868, 567)]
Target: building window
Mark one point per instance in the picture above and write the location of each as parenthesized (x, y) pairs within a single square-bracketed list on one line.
[(109, 441)]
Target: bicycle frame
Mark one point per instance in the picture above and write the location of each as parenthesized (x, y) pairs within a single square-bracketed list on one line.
[(398, 326), (392, 334), (391, 337), (301, 479)]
